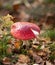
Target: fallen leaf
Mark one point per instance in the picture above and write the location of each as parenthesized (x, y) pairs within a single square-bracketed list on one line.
[(48, 63), (21, 63), (23, 58), (9, 50), (37, 58), (41, 53), (17, 45), (6, 61), (35, 64)]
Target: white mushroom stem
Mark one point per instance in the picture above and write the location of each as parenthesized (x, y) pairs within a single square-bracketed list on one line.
[(26, 43)]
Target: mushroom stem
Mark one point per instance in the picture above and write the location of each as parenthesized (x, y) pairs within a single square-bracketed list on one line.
[(26, 43)]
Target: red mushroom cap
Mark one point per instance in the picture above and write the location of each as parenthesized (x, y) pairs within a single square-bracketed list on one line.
[(24, 30)]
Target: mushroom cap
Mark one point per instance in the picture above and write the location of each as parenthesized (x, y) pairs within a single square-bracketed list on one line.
[(24, 30)]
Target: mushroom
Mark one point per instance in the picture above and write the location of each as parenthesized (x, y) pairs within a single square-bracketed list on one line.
[(25, 31)]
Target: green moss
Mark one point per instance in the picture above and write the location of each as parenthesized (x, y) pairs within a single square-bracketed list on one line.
[(52, 47), (49, 34), (52, 57)]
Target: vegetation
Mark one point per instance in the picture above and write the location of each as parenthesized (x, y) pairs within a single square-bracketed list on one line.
[(40, 51)]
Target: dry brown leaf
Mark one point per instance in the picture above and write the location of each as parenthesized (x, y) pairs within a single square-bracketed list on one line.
[(30, 52), (35, 46), (48, 63), (37, 58), (6, 61), (17, 45), (21, 63), (16, 7), (41, 53), (23, 58), (24, 16), (9, 50), (46, 50)]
